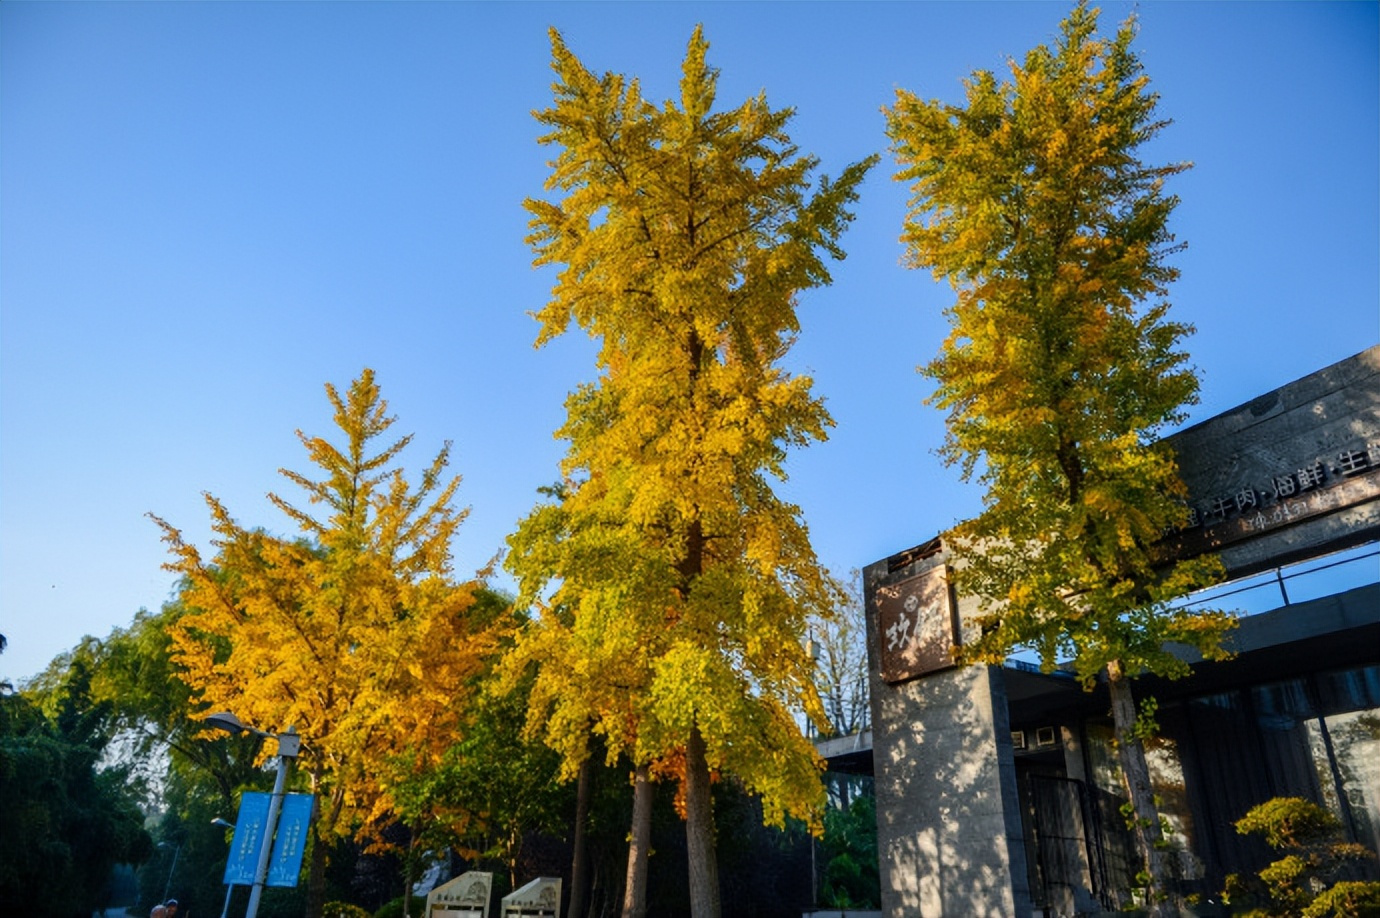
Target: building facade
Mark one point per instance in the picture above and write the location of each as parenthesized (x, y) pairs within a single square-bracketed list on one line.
[(998, 792)]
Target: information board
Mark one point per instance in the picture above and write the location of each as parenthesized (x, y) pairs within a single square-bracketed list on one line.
[(289, 843)]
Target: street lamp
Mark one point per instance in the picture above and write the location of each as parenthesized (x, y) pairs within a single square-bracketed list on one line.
[(168, 885), (229, 887), (289, 745)]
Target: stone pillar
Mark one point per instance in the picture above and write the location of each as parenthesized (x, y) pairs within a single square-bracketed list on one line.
[(949, 840)]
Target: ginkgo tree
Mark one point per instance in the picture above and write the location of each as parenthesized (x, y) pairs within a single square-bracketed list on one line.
[(674, 586), (356, 633), (1061, 367)]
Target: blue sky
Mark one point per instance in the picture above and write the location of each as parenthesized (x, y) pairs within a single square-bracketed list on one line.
[(209, 210)]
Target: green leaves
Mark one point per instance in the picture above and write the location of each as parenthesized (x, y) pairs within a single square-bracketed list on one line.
[(1062, 365)]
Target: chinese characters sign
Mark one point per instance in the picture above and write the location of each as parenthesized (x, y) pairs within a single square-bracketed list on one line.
[(1324, 485), (249, 833), (289, 842), (915, 625)]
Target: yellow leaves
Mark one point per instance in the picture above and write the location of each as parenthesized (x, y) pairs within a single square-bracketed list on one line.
[(359, 638), (674, 586), (1060, 368)]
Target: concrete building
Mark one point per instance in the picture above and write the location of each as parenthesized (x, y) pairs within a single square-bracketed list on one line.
[(997, 789)]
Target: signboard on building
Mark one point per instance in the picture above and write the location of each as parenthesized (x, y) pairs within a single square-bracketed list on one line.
[(916, 625), (1291, 474)]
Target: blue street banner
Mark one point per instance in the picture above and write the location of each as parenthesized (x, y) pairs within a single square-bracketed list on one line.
[(249, 832), (291, 840)]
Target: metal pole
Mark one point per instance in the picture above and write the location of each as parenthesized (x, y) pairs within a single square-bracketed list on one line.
[(814, 875), (168, 885), (229, 887), (288, 744)]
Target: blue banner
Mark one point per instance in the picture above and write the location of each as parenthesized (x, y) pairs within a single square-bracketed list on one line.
[(249, 833), (289, 843), (294, 822)]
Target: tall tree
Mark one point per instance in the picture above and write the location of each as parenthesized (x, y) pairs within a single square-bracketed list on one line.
[(145, 705), (684, 236), (1061, 366), (139, 710), (357, 633), (67, 822), (839, 646)]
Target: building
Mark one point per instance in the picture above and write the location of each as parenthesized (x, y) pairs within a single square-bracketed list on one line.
[(997, 789)]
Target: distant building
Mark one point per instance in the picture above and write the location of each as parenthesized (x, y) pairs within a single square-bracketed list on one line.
[(998, 792)]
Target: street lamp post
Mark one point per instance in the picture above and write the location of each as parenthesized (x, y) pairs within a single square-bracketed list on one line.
[(289, 745), (229, 887), (168, 885)]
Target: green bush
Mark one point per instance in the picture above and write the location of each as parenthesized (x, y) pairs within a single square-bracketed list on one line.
[(343, 910), (1347, 900), (851, 879), (394, 909), (1307, 879)]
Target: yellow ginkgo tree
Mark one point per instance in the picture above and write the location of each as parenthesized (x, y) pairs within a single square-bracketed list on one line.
[(355, 632), (1060, 370), (675, 585)]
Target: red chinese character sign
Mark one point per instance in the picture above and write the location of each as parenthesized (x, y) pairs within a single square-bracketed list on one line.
[(915, 625)]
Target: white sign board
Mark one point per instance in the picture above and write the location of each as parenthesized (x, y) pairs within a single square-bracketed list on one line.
[(466, 896), (539, 899)]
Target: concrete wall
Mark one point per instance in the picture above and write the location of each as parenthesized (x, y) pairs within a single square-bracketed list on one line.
[(1292, 474), (948, 820)]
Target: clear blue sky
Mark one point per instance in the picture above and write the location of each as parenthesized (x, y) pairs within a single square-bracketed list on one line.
[(209, 210)]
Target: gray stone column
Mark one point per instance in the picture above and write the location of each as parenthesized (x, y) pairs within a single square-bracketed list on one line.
[(949, 837)]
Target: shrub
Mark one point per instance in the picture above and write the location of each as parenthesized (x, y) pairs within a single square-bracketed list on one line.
[(394, 909), (344, 910), (1308, 879)]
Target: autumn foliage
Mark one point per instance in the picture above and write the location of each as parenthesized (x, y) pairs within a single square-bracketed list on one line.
[(1062, 366), (674, 586), (356, 632)]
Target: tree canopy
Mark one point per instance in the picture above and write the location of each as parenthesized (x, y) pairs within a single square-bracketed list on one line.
[(67, 822), (675, 585), (1062, 365), (356, 633)]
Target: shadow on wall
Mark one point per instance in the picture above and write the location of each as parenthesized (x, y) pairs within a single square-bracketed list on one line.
[(943, 840)]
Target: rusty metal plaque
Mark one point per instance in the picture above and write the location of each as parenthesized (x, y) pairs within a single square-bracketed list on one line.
[(915, 625)]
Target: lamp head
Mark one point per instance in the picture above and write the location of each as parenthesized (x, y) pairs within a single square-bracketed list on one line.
[(225, 720), (289, 743)]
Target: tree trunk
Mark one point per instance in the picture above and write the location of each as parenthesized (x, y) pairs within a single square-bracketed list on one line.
[(316, 878), (409, 866), (639, 845), (320, 825), (579, 864), (699, 831), (1161, 897)]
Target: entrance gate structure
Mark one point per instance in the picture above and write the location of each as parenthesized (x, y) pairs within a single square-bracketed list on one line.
[(997, 792)]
